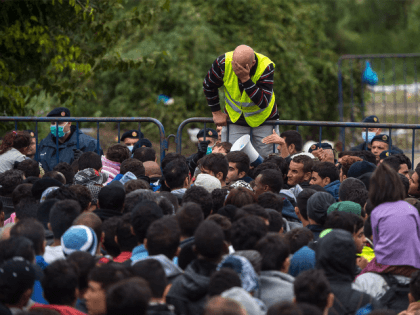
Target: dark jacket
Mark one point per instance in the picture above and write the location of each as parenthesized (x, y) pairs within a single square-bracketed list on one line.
[(105, 214), (315, 229), (364, 147), (160, 309), (48, 148), (336, 255), (192, 160), (188, 291)]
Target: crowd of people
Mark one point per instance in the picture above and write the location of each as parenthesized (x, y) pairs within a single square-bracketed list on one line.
[(316, 232)]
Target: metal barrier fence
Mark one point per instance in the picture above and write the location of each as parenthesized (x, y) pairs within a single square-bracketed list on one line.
[(395, 97), (97, 120), (319, 124)]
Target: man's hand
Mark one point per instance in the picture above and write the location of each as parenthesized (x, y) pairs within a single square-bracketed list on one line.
[(219, 118), (274, 138), (361, 262), (241, 72)]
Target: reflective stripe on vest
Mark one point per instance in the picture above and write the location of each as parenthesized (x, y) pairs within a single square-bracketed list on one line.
[(240, 103)]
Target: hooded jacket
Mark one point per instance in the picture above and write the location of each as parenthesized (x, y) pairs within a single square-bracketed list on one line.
[(48, 148), (275, 286), (336, 255), (188, 291), (333, 189)]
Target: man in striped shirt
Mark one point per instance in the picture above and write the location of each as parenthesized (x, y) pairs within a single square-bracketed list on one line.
[(253, 75)]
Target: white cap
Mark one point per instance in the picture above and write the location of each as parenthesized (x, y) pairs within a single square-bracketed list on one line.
[(208, 182)]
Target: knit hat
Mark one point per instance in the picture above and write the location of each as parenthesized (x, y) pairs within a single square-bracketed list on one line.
[(241, 183), (357, 169), (365, 178), (41, 185), (317, 206), (208, 182), (244, 269), (346, 206), (90, 176), (79, 238)]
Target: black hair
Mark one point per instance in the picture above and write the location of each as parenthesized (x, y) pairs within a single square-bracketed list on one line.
[(312, 287), (126, 240), (218, 196), (223, 280), (85, 262), (273, 179), (109, 228), (241, 160), (145, 154), (200, 196), (90, 160), (13, 294), (55, 175), (359, 196), (111, 198), (274, 250), (175, 174), (135, 184), (264, 166), (347, 186), (130, 296), (17, 246), (33, 230), (326, 169), (189, 217), (302, 201), (367, 228), (395, 161), (29, 167), (135, 197), (62, 193), (281, 163), (209, 240), (31, 180), (216, 163), (83, 194), (152, 271), (134, 166), (357, 221), (166, 205), (163, 237), (26, 209), (307, 162), (276, 221), (240, 197), (9, 180), (172, 199), (246, 232), (269, 200), (405, 182), (339, 220), (224, 223), (23, 191), (142, 216), (228, 211), (65, 169), (62, 215), (256, 210), (60, 281), (118, 153), (415, 285), (172, 157), (293, 137), (298, 238), (108, 274)]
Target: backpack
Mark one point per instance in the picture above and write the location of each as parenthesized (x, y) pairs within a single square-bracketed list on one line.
[(396, 298)]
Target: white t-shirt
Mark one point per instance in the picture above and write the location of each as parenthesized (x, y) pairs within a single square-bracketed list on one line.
[(53, 253), (8, 159)]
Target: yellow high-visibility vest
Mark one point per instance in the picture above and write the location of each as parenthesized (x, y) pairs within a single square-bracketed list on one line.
[(237, 103)]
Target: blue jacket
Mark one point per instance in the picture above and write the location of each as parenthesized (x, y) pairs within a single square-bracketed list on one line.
[(333, 189), (47, 149)]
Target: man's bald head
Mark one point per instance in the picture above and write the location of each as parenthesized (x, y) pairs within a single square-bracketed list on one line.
[(243, 55), (91, 220), (152, 169)]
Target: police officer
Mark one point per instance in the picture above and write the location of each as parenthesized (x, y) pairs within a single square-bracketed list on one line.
[(67, 142), (131, 137), (381, 143), (372, 132)]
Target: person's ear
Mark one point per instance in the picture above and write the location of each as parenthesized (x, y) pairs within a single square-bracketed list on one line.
[(186, 181), (219, 176), (291, 147), (241, 174), (145, 243), (49, 226), (281, 231), (286, 265), (132, 231), (88, 207), (294, 300), (307, 176), (330, 301), (225, 248), (97, 205), (326, 181), (116, 239), (266, 188), (411, 298), (178, 251)]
